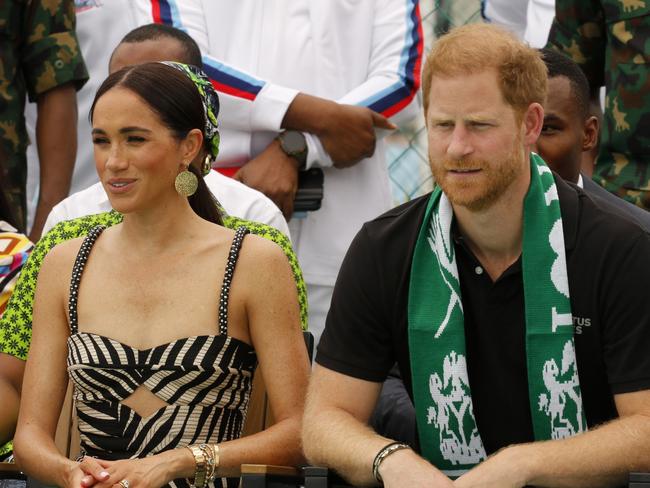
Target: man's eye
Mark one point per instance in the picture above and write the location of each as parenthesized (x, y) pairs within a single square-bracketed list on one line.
[(548, 129), (444, 125), (479, 125), (135, 139)]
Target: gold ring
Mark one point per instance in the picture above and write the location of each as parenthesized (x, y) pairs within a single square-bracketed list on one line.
[(124, 483)]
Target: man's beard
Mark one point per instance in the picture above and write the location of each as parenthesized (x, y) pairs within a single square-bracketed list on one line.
[(477, 192)]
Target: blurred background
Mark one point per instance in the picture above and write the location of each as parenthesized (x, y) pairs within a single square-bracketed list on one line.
[(407, 149)]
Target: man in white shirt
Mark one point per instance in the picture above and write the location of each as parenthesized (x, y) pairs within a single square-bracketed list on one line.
[(160, 42), (333, 71)]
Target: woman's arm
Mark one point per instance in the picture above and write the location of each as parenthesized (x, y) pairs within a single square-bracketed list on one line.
[(11, 374), (45, 380), (266, 286), (274, 325)]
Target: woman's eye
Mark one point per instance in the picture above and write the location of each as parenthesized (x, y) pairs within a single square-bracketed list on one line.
[(100, 140), (135, 139)]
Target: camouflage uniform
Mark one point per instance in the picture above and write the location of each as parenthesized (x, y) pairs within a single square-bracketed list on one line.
[(38, 51), (608, 39)]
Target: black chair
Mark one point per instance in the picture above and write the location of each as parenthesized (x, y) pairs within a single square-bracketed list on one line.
[(639, 480), (11, 476), (260, 417)]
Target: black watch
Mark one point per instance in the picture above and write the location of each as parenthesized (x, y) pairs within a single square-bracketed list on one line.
[(294, 144)]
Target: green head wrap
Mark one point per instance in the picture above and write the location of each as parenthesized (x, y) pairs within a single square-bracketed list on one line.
[(210, 101)]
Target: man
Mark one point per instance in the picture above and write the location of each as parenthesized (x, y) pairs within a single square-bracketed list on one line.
[(15, 324), (569, 133), (333, 72), (607, 38), (159, 42), (491, 294), (39, 57)]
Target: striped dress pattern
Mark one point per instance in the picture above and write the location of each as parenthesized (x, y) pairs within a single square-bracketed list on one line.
[(205, 380)]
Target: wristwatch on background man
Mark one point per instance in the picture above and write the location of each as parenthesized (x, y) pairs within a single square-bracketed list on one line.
[(294, 144)]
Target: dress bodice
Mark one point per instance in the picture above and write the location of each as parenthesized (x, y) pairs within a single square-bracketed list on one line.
[(204, 380)]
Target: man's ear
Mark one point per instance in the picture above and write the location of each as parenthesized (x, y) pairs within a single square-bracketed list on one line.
[(192, 144), (532, 122), (591, 133)]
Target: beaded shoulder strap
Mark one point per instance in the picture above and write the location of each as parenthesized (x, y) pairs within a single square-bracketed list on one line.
[(227, 279), (77, 271)]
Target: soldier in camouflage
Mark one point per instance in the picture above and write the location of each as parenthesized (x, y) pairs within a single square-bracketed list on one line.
[(39, 57), (608, 39)]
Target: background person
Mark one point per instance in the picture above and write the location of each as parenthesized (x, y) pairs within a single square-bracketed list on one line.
[(607, 38), (570, 133), (39, 57), (453, 286), (333, 71), (160, 42), (148, 125), (14, 250)]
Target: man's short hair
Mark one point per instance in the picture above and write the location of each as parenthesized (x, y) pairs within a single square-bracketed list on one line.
[(151, 32), (560, 65), (476, 47)]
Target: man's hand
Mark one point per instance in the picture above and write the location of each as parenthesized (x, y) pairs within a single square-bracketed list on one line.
[(347, 132), (273, 173), (405, 468), (348, 135), (505, 469)]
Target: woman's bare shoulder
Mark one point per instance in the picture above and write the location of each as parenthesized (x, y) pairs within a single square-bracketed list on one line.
[(61, 257), (259, 252)]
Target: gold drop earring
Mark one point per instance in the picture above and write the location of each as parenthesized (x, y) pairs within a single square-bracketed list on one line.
[(206, 166), (186, 183)]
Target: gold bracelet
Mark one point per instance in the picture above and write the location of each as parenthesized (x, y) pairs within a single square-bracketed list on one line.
[(201, 466), (209, 452)]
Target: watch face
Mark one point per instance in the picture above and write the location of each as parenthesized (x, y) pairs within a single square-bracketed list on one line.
[(293, 141)]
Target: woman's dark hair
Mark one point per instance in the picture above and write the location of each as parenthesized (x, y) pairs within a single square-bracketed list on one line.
[(174, 97)]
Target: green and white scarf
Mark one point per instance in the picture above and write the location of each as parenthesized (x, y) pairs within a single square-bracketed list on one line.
[(449, 437)]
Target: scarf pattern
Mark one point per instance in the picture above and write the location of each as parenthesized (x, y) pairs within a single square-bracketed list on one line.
[(447, 427)]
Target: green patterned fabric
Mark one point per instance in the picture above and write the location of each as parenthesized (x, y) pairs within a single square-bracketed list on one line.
[(16, 323), (38, 51), (210, 101), (449, 435), (609, 40)]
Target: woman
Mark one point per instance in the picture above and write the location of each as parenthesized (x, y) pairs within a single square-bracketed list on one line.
[(14, 251), (161, 361)]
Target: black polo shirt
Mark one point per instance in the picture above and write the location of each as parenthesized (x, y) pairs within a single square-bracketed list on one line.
[(608, 259)]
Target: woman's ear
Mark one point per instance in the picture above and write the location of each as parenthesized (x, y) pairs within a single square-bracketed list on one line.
[(191, 145)]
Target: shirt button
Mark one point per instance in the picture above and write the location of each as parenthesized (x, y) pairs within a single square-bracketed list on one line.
[(58, 64), (478, 270)]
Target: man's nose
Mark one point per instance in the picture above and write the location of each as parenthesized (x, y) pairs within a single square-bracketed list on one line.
[(459, 144)]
